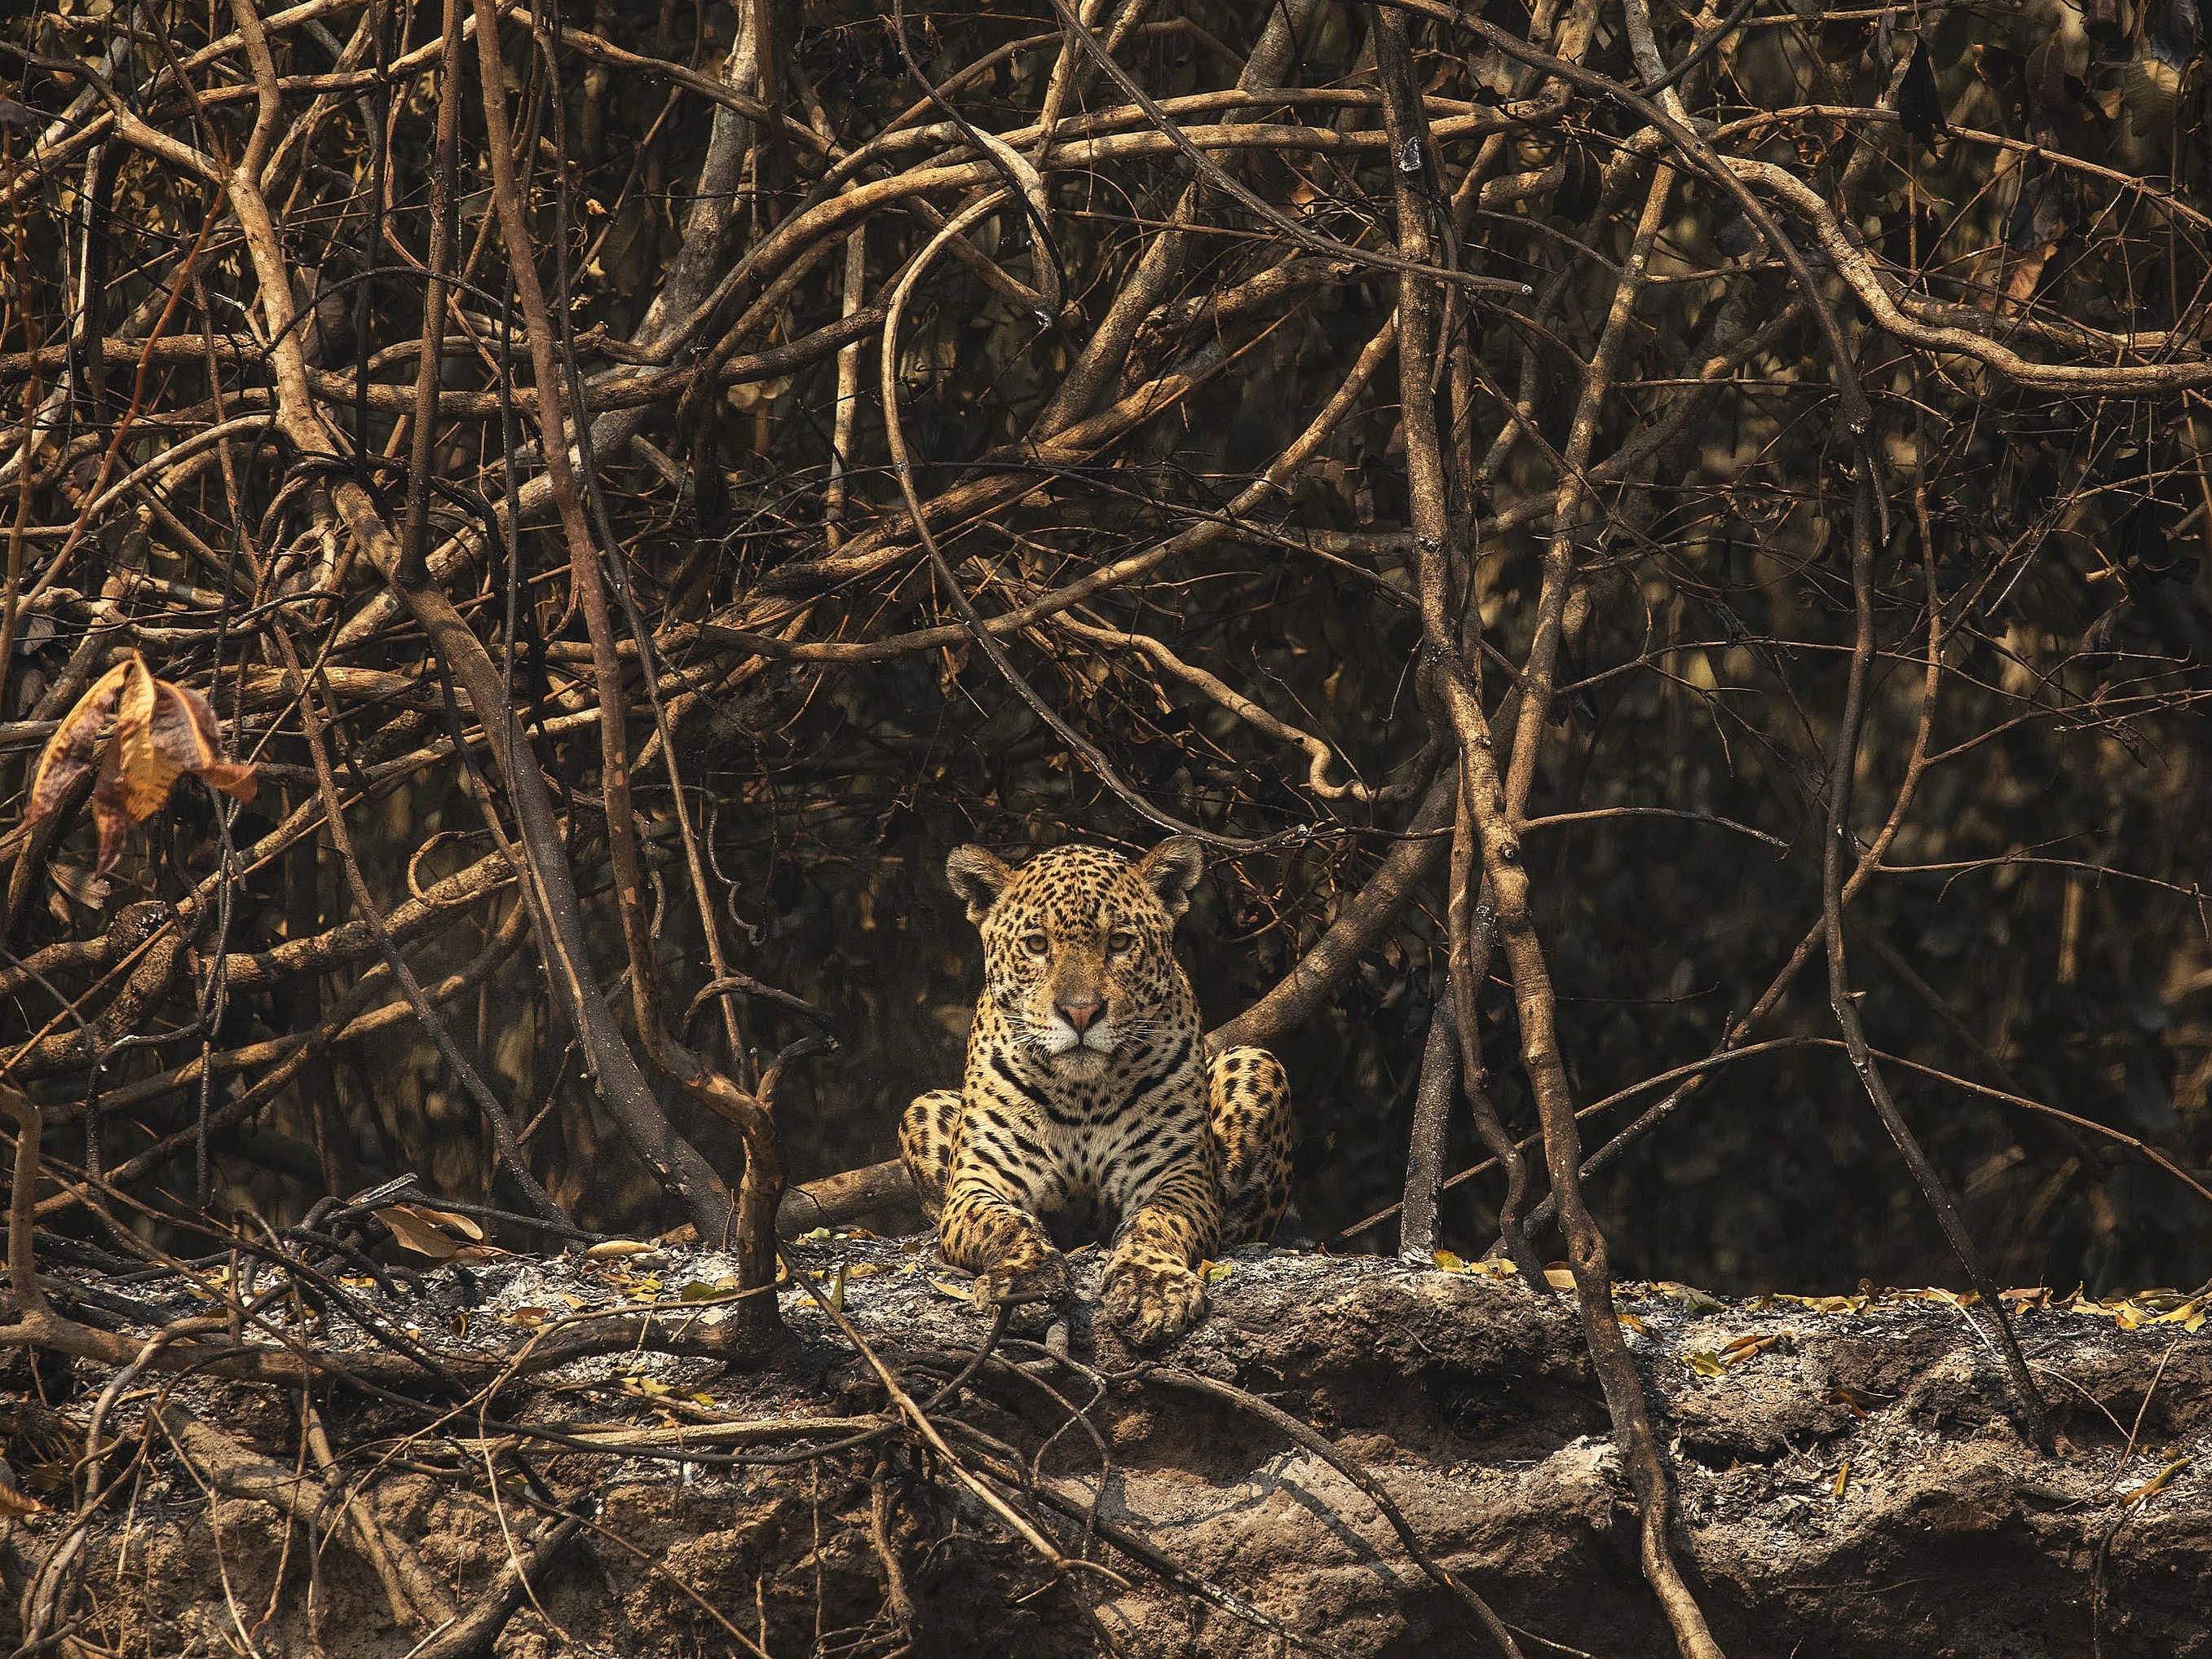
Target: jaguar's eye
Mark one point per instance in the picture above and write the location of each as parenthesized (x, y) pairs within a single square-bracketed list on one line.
[(1036, 944), (1119, 944)]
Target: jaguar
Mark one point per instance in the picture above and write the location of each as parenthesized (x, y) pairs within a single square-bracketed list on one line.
[(1090, 1109)]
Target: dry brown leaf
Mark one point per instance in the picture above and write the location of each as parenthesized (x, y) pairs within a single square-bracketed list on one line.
[(162, 731), (16, 1504), (447, 1219), (417, 1231), (74, 748), (82, 886)]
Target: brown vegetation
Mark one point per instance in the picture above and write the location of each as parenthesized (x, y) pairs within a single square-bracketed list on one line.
[(1658, 550)]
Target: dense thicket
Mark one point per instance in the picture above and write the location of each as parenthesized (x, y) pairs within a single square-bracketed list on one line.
[(1662, 554), (1151, 395)]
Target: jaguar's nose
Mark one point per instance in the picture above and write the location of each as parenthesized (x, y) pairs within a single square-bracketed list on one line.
[(1080, 1014)]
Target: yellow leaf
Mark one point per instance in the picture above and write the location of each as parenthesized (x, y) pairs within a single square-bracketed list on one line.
[(1843, 1480), (1559, 1279), (15, 1503), (1747, 1347), (526, 1316), (1448, 1261), (613, 1250), (1705, 1363), (2159, 1482), (1217, 1271), (1633, 1322)]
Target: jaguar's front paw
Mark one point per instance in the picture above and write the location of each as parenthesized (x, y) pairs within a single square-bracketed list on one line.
[(1038, 1277), (1152, 1302)]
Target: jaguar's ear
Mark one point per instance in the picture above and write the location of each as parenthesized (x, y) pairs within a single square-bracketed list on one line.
[(979, 878), (1171, 870)]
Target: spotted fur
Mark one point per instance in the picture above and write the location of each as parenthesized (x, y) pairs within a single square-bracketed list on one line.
[(1089, 1108)]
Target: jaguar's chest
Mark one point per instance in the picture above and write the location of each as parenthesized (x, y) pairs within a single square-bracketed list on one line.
[(1100, 1146), (1151, 1098)]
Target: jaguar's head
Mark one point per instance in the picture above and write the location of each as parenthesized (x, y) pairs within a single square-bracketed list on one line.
[(1077, 945)]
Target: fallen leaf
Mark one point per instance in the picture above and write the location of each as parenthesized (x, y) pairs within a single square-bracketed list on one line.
[(15, 1503), (1843, 1480), (527, 1315), (417, 1232), (1747, 1347), (1705, 1363), (2159, 1482), (614, 1249), (1692, 1299), (450, 1221)]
